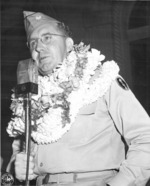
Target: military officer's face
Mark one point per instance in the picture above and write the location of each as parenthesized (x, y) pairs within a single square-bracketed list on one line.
[(48, 47)]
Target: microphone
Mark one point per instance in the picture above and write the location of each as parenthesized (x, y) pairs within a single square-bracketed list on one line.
[(27, 82), (27, 77)]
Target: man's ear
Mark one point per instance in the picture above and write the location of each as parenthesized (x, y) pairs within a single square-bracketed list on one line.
[(69, 44)]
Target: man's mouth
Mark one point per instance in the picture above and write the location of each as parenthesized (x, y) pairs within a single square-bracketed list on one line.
[(42, 58)]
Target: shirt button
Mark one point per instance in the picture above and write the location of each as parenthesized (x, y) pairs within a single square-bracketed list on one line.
[(41, 164)]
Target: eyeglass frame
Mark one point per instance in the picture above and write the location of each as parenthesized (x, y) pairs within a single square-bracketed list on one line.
[(37, 39)]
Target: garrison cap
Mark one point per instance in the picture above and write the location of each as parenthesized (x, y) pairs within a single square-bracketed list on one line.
[(33, 20)]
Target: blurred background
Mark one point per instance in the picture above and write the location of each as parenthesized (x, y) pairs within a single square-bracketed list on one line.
[(119, 29)]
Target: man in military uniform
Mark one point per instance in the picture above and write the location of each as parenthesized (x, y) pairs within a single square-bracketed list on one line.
[(92, 152)]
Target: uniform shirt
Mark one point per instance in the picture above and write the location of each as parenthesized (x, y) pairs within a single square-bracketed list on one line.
[(95, 143), (96, 140)]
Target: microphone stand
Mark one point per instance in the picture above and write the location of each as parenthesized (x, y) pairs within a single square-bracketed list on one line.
[(27, 89), (27, 104)]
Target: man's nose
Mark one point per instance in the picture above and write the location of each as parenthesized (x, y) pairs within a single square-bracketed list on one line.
[(39, 46)]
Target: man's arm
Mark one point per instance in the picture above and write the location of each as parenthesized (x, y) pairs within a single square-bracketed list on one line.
[(133, 123), (17, 163)]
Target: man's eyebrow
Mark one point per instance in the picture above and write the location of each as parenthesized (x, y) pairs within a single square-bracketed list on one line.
[(44, 34), (48, 33)]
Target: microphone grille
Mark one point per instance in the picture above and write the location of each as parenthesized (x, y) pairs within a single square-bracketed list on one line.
[(27, 71)]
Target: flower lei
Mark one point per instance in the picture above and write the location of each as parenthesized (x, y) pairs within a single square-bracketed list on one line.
[(62, 94)]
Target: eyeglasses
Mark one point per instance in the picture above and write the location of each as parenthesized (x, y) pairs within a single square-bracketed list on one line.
[(45, 39)]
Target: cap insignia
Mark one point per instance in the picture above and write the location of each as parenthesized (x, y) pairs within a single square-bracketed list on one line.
[(38, 17)]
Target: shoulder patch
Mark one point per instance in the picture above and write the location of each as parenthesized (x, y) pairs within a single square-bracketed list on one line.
[(121, 82)]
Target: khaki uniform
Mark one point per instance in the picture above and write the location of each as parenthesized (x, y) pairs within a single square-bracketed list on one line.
[(95, 143)]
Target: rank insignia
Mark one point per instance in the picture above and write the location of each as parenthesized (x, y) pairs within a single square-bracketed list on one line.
[(121, 82)]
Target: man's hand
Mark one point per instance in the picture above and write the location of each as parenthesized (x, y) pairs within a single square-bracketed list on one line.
[(21, 164)]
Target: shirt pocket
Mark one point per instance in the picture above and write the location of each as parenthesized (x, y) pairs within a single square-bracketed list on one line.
[(80, 129)]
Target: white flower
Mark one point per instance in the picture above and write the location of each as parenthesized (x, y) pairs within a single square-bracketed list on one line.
[(53, 115), (15, 126), (19, 110), (72, 57)]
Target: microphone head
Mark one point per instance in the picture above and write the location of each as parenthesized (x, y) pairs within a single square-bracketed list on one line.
[(27, 71), (27, 77)]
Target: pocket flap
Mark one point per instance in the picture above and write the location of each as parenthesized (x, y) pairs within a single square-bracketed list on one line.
[(88, 109)]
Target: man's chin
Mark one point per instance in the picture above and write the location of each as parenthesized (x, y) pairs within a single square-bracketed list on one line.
[(45, 72), (45, 69)]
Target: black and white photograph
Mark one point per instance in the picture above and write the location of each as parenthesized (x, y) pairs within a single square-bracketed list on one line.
[(75, 93)]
